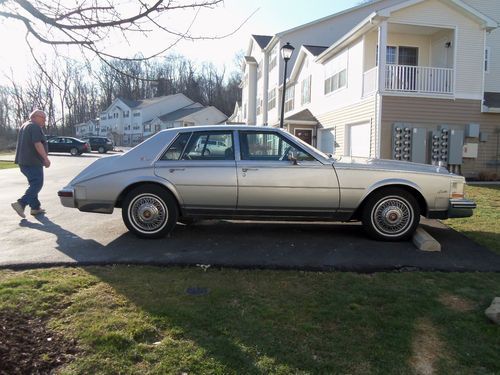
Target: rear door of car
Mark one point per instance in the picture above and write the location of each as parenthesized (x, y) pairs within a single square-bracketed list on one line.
[(269, 182), (204, 178)]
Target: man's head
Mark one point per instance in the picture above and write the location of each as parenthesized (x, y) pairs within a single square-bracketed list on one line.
[(38, 117)]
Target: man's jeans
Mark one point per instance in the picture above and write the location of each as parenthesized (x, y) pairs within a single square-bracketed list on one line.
[(34, 174)]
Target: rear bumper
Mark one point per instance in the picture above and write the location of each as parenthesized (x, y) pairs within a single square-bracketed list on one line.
[(67, 197), (457, 208)]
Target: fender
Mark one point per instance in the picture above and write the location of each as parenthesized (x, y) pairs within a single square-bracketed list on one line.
[(154, 179), (391, 182)]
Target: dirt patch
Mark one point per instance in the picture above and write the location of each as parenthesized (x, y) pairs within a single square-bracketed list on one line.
[(456, 303), (27, 346), (427, 348)]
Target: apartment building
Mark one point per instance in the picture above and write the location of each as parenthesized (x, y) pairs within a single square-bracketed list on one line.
[(129, 122), (433, 96)]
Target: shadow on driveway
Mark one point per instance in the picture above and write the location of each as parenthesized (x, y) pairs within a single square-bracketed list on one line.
[(273, 245)]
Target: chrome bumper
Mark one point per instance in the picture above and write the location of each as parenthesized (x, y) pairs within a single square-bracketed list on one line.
[(461, 208), (67, 197)]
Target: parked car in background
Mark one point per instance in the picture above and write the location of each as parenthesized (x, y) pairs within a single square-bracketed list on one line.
[(100, 144), (72, 145), (263, 173)]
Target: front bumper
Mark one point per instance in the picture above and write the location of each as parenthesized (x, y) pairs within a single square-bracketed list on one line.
[(461, 208), (456, 208)]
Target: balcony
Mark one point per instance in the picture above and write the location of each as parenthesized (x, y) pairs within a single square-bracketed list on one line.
[(411, 79)]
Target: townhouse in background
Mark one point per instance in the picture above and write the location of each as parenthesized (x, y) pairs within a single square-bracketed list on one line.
[(433, 96), (129, 122)]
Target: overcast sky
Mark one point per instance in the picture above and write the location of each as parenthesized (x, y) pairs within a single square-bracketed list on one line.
[(271, 16)]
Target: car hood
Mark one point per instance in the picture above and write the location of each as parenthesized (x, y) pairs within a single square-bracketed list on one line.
[(388, 165)]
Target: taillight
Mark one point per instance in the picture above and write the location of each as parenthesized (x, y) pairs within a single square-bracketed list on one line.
[(65, 193)]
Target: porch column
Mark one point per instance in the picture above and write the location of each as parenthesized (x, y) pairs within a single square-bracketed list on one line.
[(382, 54), (252, 94), (265, 77)]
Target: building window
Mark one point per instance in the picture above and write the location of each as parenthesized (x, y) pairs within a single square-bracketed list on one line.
[(109, 115), (289, 98), (305, 89), (271, 103), (115, 115), (259, 70), (336, 73), (126, 113), (127, 127), (259, 105), (157, 127), (273, 57), (136, 127), (487, 54), (137, 114)]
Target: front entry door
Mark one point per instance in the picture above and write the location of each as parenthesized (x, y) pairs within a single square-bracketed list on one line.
[(269, 182), (305, 135)]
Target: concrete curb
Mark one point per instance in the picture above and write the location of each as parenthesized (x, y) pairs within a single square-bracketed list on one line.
[(424, 241)]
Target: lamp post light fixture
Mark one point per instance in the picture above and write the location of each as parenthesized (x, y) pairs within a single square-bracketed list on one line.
[(286, 53)]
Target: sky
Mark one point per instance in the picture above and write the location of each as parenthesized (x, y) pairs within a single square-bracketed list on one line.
[(269, 17)]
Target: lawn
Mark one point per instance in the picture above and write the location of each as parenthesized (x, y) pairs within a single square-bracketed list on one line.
[(7, 164), (152, 320), (185, 320), (484, 226)]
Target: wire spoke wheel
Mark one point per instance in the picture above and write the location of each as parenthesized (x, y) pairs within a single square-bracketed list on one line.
[(148, 213), (392, 216)]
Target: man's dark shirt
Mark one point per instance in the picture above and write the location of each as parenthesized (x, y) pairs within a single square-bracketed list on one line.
[(26, 153)]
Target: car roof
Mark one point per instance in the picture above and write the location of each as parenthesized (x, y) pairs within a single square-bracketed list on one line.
[(223, 127)]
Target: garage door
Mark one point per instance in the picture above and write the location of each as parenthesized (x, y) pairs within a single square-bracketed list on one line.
[(359, 140)]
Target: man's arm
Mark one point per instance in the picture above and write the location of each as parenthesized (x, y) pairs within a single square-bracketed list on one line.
[(41, 151)]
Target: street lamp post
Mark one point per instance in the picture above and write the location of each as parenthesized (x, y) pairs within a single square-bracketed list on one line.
[(286, 53)]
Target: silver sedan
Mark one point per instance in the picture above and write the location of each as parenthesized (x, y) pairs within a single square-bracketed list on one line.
[(261, 173)]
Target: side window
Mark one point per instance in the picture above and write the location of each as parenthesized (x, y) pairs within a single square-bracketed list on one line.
[(269, 146), (175, 150), (210, 146)]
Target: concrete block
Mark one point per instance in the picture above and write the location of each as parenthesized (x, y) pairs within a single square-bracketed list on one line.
[(424, 241), (493, 312)]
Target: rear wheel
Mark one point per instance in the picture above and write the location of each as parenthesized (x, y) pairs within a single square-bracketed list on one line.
[(74, 151), (101, 150), (149, 211), (391, 214)]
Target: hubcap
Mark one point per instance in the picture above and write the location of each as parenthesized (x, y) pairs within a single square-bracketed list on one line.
[(148, 213), (392, 216)]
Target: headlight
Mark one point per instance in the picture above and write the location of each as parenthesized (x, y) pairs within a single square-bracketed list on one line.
[(457, 189)]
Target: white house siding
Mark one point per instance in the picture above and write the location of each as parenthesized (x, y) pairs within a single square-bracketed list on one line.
[(469, 44), (345, 96), (491, 8), (339, 119)]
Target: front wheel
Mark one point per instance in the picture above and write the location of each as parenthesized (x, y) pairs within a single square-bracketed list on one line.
[(101, 150), (149, 211), (391, 214)]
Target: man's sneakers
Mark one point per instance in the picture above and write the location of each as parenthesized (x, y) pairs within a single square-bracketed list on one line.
[(40, 211), (19, 209)]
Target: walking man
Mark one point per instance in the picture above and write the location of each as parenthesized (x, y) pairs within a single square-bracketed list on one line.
[(31, 156)]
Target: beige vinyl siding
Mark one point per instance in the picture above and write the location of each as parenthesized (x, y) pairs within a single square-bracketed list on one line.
[(429, 113), (469, 45), (360, 112), (492, 10)]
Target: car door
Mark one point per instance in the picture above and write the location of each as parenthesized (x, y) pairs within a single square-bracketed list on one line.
[(269, 182), (204, 177)]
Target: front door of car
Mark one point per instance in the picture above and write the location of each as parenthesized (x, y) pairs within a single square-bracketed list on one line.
[(277, 175), (55, 144), (203, 175)]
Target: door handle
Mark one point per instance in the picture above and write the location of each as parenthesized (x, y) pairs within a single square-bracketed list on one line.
[(172, 170), (249, 169)]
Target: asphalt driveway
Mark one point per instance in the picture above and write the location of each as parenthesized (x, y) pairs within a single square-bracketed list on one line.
[(68, 237)]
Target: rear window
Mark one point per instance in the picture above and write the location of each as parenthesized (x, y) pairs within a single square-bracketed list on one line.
[(175, 150)]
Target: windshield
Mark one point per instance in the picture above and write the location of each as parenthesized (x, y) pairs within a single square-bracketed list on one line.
[(307, 145)]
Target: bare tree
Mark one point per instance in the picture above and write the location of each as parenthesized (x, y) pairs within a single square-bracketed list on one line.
[(87, 24)]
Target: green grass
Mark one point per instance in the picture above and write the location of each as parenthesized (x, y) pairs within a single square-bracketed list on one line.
[(141, 320), (7, 164), (484, 226)]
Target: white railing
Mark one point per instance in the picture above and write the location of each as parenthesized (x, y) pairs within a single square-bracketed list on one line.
[(370, 80), (419, 79)]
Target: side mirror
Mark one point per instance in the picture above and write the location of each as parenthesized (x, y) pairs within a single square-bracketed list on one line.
[(292, 156)]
